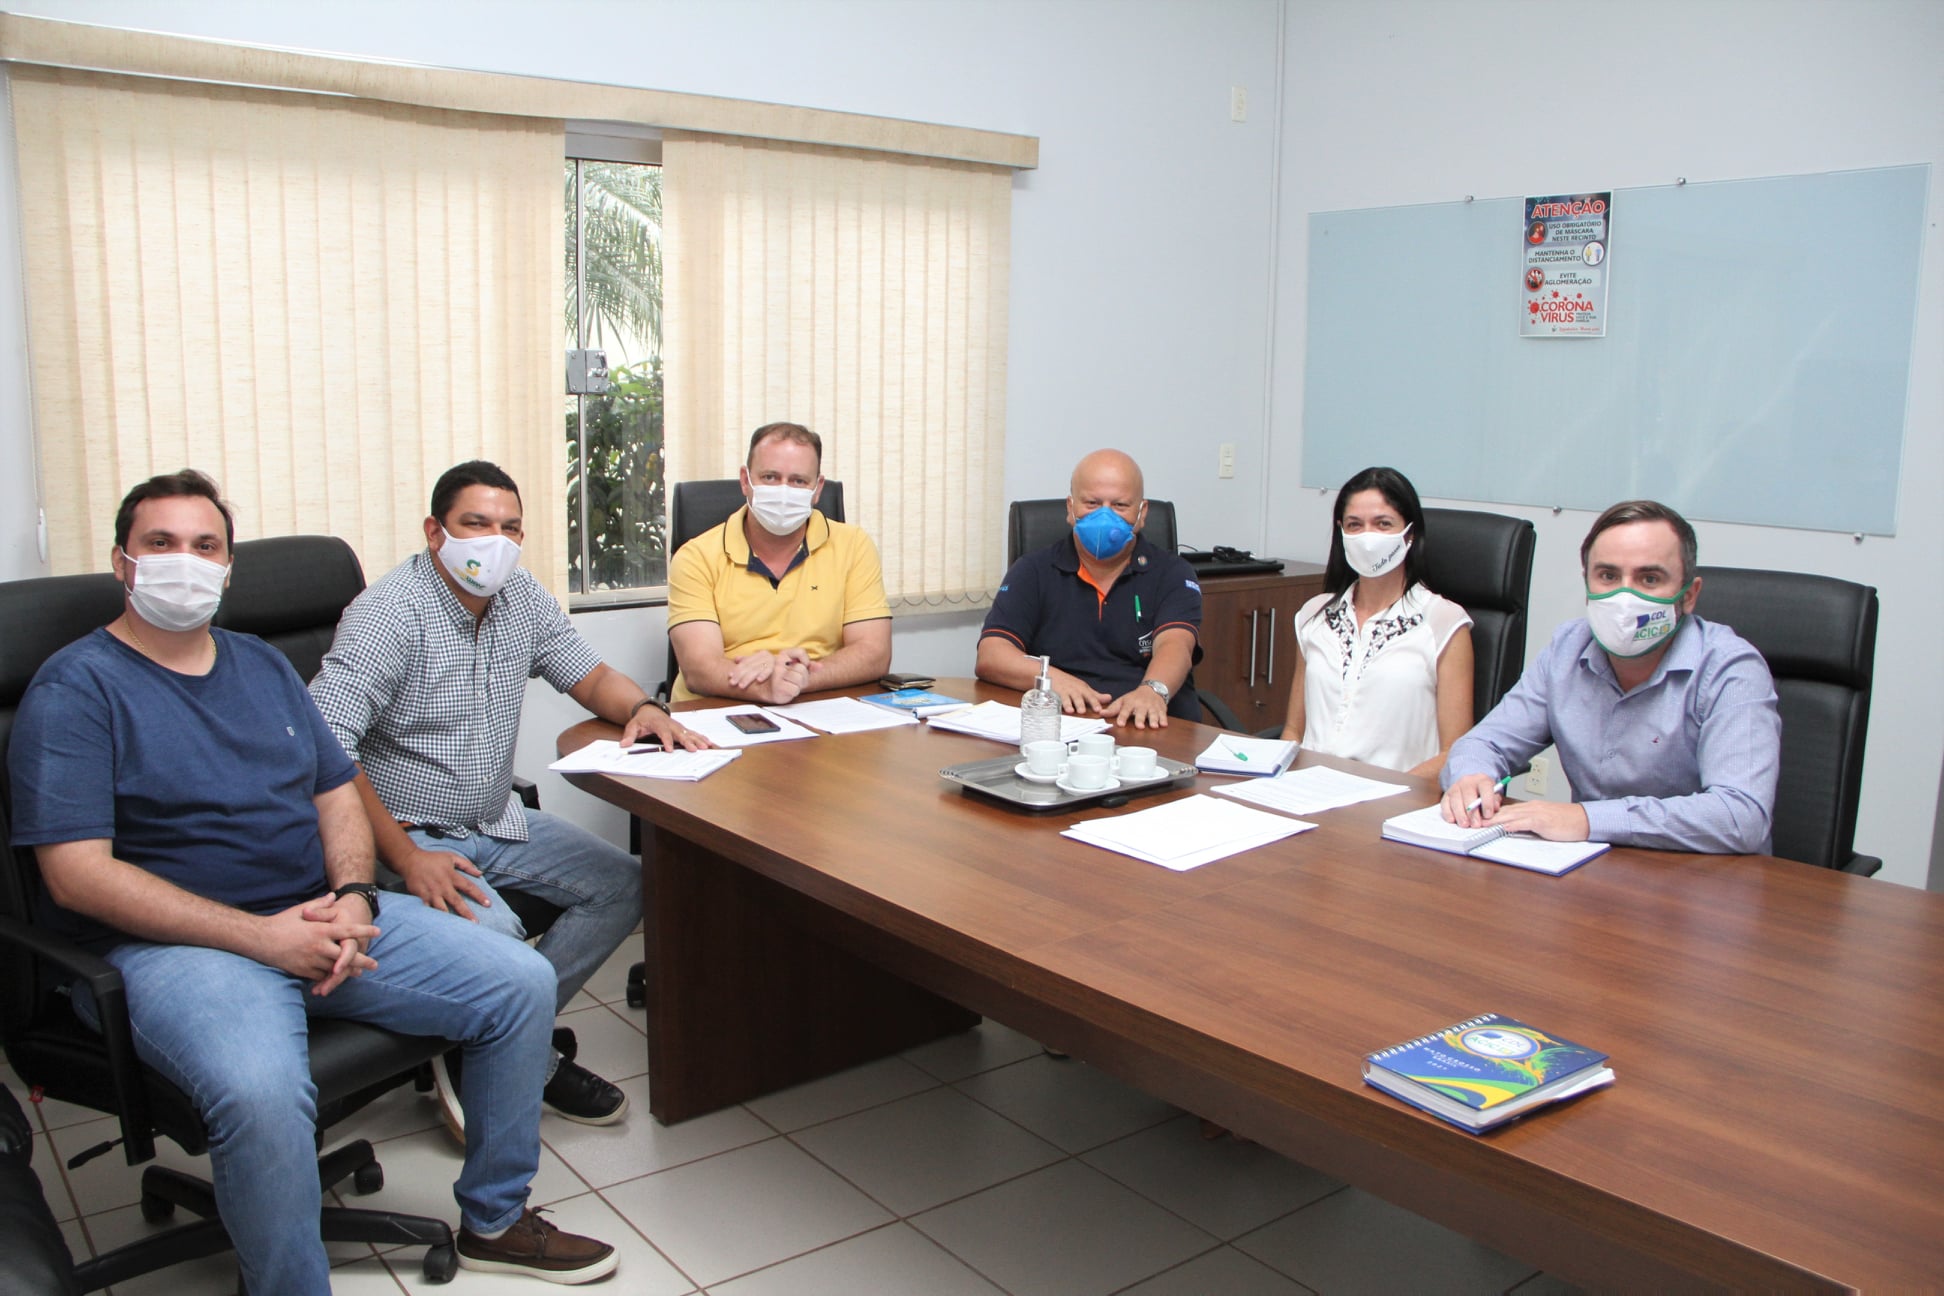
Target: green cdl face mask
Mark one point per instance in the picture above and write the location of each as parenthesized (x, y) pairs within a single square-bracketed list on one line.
[(1628, 623)]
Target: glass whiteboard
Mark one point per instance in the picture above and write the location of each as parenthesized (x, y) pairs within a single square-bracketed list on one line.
[(1755, 366)]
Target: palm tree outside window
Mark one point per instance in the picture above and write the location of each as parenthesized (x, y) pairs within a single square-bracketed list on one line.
[(616, 495)]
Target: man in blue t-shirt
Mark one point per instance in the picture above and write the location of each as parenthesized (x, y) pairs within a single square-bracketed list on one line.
[(195, 821), (1119, 618)]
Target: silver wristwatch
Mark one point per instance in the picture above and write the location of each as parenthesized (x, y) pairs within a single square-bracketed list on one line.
[(1158, 687)]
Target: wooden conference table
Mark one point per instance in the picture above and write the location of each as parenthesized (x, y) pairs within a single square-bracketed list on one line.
[(1777, 1030)]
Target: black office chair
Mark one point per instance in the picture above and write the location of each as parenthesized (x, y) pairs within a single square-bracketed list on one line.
[(696, 506), (49, 1047), (1483, 563), (1036, 523), (1818, 635)]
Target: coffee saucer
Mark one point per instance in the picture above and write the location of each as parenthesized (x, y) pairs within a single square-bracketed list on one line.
[(1027, 774), (1065, 786)]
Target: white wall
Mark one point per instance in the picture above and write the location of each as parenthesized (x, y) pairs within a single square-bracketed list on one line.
[(1412, 101)]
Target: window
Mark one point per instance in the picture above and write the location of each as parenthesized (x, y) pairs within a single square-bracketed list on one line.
[(617, 532)]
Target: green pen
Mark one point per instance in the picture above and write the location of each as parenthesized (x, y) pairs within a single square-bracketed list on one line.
[(1137, 609), (1501, 785)]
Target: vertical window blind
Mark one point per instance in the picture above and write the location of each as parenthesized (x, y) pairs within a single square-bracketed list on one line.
[(323, 302), (863, 295)]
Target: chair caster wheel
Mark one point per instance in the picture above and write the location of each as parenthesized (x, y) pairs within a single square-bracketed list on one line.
[(637, 987), (440, 1264), (368, 1179), (157, 1210)]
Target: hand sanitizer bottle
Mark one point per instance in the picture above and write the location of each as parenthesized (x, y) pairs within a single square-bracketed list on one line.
[(1039, 709)]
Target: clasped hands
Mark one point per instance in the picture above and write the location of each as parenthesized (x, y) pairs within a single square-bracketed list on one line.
[(321, 940), (773, 676)]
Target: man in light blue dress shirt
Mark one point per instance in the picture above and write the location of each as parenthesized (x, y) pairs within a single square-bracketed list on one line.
[(1666, 724)]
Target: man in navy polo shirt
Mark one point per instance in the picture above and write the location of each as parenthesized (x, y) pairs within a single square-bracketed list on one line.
[(1119, 618)]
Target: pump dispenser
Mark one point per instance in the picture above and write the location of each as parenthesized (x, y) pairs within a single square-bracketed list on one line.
[(1039, 709)]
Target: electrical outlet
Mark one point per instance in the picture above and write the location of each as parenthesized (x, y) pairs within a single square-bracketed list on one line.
[(1535, 782), (1225, 461)]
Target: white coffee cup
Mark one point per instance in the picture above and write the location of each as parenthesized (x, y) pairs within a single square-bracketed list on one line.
[(1045, 757), (1087, 772), (1136, 762), (1093, 745)]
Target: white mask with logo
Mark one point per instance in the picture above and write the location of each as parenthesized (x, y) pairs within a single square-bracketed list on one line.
[(1628, 623), (780, 510), (176, 591), (480, 564), (1373, 553)]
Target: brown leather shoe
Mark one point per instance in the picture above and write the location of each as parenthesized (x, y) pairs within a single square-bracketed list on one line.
[(537, 1249)]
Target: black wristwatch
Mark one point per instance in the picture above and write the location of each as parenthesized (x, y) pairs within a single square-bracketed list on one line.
[(365, 889), (652, 701)]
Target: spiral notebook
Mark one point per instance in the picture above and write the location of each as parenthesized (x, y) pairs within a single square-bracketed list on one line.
[(1486, 1071), (1427, 828)]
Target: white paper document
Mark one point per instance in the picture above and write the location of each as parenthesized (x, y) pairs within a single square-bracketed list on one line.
[(1000, 723), (714, 725), (605, 756), (1309, 791), (1187, 833), (843, 715)]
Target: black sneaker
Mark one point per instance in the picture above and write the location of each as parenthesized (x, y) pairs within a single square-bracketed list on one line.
[(538, 1249), (565, 1044), (580, 1095)]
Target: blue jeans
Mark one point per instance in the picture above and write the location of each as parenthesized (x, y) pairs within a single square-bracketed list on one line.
[(231, 1033), (595, 884)]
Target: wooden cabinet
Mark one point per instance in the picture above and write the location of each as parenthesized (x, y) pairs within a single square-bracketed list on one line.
[(1248, 638)]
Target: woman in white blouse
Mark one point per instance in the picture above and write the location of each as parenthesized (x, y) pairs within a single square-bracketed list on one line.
[(1384, 671)]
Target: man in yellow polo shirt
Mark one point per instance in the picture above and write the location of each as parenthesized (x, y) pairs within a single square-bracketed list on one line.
[(778, 600)]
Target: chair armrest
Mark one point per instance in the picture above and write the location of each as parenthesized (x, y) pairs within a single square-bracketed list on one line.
[(117, 1037), (525, 790), (1863, 865), (1217, 710)]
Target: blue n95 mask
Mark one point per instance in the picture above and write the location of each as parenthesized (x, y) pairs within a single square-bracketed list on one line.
[(1103, 532)]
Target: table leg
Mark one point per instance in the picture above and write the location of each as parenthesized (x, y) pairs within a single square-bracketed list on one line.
[(742, 1000)]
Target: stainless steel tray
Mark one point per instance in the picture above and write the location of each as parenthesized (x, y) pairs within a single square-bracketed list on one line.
[(996, 779)]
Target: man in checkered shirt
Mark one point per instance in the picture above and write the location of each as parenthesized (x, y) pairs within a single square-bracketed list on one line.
[(423, 686)]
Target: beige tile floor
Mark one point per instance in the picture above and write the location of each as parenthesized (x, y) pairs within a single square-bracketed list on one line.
[(976, 1165)]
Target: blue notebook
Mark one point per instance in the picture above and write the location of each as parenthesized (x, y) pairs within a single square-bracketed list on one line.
[(1486, 1071), (919, 702)]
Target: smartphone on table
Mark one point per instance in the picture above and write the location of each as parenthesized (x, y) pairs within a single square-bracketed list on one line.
[(751, 723)]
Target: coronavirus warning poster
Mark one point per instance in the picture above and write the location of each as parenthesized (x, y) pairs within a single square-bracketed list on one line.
[(1565, 240)]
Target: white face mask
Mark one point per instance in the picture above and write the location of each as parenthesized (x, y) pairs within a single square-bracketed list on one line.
[(780, 510), (176, 591), (480, 564), (1373, 553), (1628, 623)]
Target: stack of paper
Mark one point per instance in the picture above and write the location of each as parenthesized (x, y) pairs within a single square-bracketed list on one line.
[(999, 722), (1187, 833), (605, 756), (714, 725), (1309, 791), (843, 715)]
